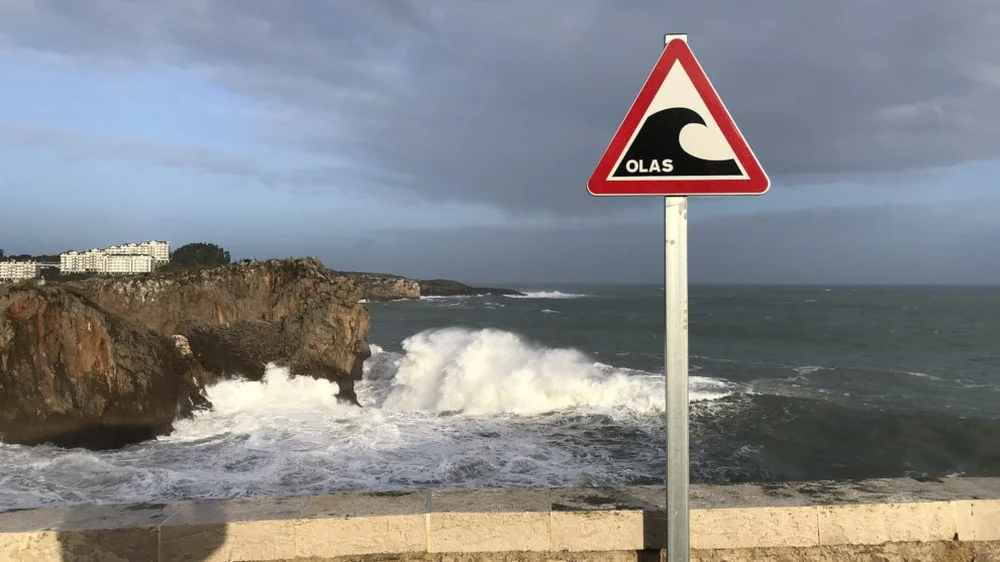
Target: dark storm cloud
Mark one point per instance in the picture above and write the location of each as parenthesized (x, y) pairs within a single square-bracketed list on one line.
[(252, 169), (847, 245), (511, 102)]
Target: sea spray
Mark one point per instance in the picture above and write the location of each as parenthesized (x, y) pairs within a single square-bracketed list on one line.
[(529, 415), (547, 295), (490, 371)]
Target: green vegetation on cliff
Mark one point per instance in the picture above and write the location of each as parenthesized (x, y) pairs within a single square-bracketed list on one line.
[(199, 254), (47, 258)]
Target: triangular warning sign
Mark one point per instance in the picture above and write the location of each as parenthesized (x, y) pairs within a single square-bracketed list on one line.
[(678, 139)]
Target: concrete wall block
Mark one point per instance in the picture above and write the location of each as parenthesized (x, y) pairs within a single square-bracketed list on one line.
[(116, 545), (37, 546), (581, 531), (359, 524), (977, 520), (260, 540), (230, 530), (881, 523), (361, 535), (754, 527), (352, 536), (489, 532), (190, 543)]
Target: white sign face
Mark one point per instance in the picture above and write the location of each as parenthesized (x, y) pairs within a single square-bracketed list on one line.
[(678, 139)]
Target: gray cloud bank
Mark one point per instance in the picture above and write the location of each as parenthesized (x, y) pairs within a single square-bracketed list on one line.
[(885, 244), (510, 103)]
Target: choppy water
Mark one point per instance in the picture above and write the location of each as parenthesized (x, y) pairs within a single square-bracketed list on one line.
[(565, 389)]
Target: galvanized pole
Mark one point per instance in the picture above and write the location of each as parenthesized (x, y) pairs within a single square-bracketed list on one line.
[(675, 292)]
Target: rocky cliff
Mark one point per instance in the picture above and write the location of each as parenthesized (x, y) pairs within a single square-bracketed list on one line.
[(76, 375), (236, 318), (377, 287), (446, 288)]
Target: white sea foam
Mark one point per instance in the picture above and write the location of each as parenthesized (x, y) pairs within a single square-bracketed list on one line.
[(547, 295), (810, 369), (457, 408), (920, 375), (497, 372), (494, 372)]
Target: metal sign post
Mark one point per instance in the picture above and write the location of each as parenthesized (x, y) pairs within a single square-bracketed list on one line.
[(675, 348), (675, 359), (650, 155)]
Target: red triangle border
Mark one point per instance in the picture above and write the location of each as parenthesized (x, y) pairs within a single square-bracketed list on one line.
[(678, 51)]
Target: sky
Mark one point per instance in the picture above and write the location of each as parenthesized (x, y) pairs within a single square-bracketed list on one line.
[(454, 138)]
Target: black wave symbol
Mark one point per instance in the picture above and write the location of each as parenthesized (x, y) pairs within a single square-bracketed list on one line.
[(659, 140)]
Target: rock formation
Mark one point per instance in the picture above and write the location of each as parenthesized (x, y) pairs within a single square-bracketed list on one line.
[(103, 362), (377, 287), (239, 317), (75, 375), (446, 288)]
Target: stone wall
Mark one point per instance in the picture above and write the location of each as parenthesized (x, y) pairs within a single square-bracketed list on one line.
[(885, 520)]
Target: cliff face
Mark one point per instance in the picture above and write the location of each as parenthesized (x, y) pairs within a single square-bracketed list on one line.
[(381, 287), (75, 375), (377, 287), (300, 314), (446, 288)]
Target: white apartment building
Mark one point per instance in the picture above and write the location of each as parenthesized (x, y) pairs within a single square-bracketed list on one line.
[(19, 270), (91, 261), (123, 259), (158, 249), (128, 263)]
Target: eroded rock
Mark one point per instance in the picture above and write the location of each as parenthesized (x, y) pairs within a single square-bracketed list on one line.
[(237, 318), (78, 376), (376, 287)]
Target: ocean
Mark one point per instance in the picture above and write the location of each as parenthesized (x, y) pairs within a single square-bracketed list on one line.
[(564, 387)]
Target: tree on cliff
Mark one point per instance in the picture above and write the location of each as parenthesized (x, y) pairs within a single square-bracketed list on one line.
[(200, 254), (1, 253)]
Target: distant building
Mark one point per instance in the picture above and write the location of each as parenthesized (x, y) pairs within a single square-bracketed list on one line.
[(124, 259), (91, 261), (159, 250), (128, 264), (19, 270)]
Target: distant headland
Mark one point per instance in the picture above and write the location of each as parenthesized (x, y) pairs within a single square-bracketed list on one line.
[(141, 258)]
